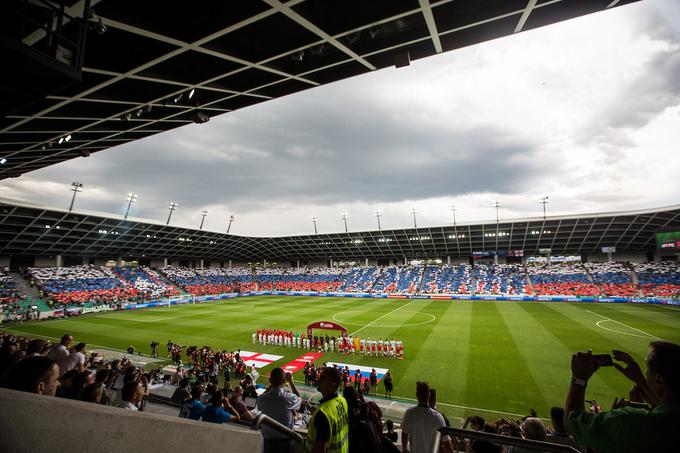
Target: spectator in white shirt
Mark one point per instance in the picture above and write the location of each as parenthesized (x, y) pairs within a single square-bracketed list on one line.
[(74, 361), (59, 352), (419, 424), (131, 395)]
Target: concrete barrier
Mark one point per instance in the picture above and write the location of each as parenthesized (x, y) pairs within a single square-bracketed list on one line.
[(34, 423)]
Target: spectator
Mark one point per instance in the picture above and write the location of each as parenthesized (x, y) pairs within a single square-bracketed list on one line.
[(419, 424), (75, 360), (389, 385), (193, 408), (77, 385), (559, 434), (34, 374), (629, 428), (534, 429), (182, 393), (432, 402), (364, 434), (215, 411), (93, 393), (102, 377), (237, 403), (131, 395), (59, 352), (329, 426), (280, 405), (36, 346), (391, 434)]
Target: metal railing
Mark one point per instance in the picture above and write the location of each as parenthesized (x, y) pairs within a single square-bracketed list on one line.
[(263, 419), (499, 439)]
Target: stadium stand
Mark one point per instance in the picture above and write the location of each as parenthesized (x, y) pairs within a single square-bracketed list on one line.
[(146, 281), (561, 279), (505, 279), (659, 279), (359, 279), (91, 285), (82, 284), (615, 279)]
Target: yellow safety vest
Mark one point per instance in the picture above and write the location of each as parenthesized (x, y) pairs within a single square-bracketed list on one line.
[(335, 411)]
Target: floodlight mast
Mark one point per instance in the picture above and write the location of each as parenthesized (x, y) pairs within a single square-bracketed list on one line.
[(413, 211), (171, 208), (497, 205), (75, 188), (314, 219), (203, 214), (344, 218), (377, 216), (131, 198), (544, 201), (231, 220)]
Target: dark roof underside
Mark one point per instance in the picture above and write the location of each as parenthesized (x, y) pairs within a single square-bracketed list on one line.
[(233, 54), (37, 231)]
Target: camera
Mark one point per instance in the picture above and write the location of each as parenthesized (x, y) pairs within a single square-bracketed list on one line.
[(602, 360)]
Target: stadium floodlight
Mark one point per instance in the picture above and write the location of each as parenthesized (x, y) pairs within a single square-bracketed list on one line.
[(203, 214), (61, 140), (413, 211), (544, 201), (454, 208), (314, 219), (191, 93), (3, 161), (75, 187), (497, 205), (131, 198), (377, 216), (171, 207), (67, 138), (344, 218), (231, 220)]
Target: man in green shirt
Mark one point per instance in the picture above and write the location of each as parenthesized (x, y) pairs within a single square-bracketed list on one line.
[(629, 429)]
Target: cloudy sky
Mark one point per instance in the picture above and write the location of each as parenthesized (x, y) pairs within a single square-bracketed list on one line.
[(586, 111)]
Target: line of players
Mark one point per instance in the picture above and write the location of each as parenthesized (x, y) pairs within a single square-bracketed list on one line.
[(344, 344)]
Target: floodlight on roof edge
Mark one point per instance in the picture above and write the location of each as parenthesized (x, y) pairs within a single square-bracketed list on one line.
[(204, 213), (171, 207), (75, 187), (131, 198), (231, 220)]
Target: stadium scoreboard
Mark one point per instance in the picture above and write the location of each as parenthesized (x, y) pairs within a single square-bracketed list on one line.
[(668, 242)]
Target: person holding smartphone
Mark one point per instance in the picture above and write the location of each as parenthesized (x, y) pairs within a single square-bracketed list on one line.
[(629, 428), (281, 405)]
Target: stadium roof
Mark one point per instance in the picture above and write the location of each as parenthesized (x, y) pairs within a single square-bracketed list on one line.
[(33, 230), (150, 66)]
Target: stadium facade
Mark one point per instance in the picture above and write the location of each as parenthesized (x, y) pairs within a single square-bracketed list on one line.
[(31, 234)]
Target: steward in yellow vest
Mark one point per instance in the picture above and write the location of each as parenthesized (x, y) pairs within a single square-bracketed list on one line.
[(328, 430)]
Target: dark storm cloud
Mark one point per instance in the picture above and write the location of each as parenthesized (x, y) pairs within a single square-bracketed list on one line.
[(321, 149)]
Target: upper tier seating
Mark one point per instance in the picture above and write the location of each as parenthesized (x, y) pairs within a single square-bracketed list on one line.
[(660, 279), (503, 279), (561, 279), (614, 278)]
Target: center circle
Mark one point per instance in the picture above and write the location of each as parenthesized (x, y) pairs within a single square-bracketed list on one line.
[(336, 317)]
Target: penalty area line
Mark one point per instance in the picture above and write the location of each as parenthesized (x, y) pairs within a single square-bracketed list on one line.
[(649, 335)]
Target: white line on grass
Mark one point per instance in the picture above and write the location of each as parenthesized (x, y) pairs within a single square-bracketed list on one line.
[(649, 335), (378, 319), (670, 308), (457, 406)]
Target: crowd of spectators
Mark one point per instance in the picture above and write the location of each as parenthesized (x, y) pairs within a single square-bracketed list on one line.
[(62, 287), (561, 279), (659, 279), (67, 371)]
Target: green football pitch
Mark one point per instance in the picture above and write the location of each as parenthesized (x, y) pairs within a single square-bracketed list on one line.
[(487, 358)]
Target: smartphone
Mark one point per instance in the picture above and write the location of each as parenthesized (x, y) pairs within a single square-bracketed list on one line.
[(602, 360)]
